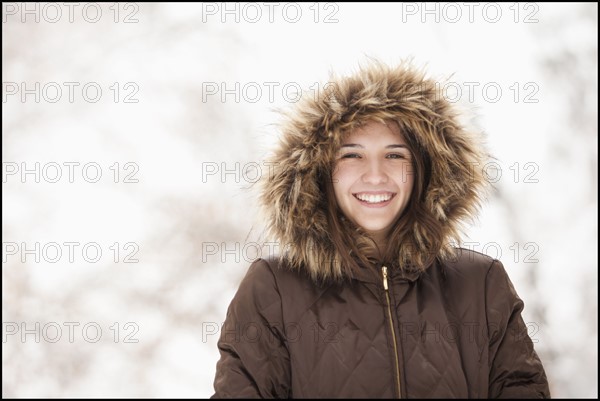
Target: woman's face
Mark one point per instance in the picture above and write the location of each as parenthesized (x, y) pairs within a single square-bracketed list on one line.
[(373, 177)]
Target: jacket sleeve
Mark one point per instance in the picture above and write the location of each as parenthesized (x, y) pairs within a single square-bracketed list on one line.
[(515, 368), (254, 360)]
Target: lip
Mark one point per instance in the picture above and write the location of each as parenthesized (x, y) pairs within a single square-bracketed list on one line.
[(375, 205)]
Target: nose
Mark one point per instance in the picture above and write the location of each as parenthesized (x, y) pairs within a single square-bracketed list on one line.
[(375, 173)]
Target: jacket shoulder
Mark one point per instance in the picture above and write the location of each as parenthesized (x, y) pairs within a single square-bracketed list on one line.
[(295, 287), (467, 272), (283, 272), (267, 281), (256, 292), (272, 269), (468, 262)]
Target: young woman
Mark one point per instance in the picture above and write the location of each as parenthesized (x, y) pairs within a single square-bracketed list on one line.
[(371, 184)]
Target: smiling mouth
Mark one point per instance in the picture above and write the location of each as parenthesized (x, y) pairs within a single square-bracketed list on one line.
[(374, 198)]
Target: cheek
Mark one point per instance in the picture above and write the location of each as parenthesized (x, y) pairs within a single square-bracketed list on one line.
[(410, 181), (340, 178), (409, 175), (405, 179)]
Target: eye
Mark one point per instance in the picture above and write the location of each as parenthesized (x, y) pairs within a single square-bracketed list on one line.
[(350, 156), (396, 156)]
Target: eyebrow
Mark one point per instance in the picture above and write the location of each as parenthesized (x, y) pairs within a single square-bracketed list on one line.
[(356, 145)]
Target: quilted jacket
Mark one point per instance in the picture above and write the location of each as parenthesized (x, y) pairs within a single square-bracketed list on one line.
[(454, 331), (304, 324)]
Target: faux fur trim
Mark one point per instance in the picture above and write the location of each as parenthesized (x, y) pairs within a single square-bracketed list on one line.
[(293, 202)]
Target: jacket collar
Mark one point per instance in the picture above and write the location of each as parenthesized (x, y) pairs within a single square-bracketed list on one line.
[(373, 274)]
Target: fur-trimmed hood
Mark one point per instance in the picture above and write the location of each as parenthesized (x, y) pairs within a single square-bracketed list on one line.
[(292, 196)]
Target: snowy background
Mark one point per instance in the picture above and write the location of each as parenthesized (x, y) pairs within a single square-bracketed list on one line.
[(131, 133)]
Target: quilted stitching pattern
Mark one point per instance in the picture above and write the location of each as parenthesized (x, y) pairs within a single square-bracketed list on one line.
[(335, 342)]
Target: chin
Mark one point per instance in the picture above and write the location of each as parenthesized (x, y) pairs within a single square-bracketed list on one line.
[(375, 228)]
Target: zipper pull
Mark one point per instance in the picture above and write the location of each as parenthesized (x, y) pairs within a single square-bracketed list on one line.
[(385, 275)]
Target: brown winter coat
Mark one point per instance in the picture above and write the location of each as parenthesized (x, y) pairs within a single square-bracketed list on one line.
[(454, 331), (440, 324)]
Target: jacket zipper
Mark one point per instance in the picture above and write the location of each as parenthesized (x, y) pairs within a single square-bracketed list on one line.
[(389, 309)]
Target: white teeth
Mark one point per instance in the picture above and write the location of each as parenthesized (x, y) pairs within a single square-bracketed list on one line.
[(374, 198)]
